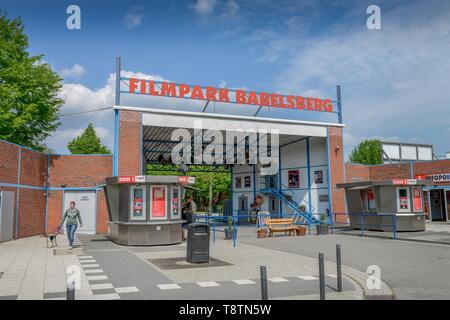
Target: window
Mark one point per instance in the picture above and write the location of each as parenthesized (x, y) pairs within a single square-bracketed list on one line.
[(403, 200), (371, 207), (238, 184), (137, 209), (158, 202), (417, 199), (247, 182), (175, 203)]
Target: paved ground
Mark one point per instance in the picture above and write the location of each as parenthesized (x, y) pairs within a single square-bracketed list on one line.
[(29, 270), (436, 232), (290, 275), (413, 270)]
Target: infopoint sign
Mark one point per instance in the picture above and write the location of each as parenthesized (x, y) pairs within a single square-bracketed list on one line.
[(237, 96), (439, 177)]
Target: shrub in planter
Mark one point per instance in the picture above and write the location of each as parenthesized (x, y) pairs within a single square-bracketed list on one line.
[(229, 230), (301, 231), (262, 233), (322, 228)]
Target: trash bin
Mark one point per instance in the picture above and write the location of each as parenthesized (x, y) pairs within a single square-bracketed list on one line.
[(198, 243)]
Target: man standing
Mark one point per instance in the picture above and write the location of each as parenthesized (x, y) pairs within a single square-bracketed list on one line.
[(192, 209)]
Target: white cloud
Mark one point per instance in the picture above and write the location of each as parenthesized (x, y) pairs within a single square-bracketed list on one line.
[(231, 8), (75, 72), (204, 8), (133, 17), (394, 81)]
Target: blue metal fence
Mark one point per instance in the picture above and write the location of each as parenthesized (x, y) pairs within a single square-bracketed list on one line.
[(361, 218)]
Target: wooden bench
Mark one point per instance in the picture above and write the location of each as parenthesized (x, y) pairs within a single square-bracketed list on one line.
[(281, 225)]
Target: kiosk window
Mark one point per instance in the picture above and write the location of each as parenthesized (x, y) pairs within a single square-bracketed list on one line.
[(137, 195), (158, 203), (403, 200), (175, 203), (417, 199), (370, 200)]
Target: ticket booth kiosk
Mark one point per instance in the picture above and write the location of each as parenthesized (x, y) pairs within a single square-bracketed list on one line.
[(373, 203), (146, 210)]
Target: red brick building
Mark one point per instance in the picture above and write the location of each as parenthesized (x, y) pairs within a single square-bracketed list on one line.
[(437, 197), (42, 183)]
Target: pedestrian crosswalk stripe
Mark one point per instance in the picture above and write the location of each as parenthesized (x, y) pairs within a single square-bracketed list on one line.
[(205, 284), (278, 279), (307, 277), (244, 281), (169, 286)]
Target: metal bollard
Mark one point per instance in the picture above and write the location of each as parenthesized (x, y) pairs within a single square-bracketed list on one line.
[(70, 293), (264, 295), (338, 267), (321, 276)]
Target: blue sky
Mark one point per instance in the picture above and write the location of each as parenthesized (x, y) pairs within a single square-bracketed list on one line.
[(394, 80)]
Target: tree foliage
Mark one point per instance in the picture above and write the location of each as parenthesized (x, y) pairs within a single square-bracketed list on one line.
[(367, 152), (29, 89), (87, 143), (220, 182)]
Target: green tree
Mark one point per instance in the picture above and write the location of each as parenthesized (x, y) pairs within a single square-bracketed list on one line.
[(367, 152), (29, 89), (87, 143), (213, 187)]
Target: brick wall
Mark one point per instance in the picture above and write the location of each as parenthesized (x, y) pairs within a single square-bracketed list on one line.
[(336, 170), (390, 171), (79, 170), (55, 203), (356, 172), (33, 168), (82, 171), (130, 136), (433, 167), (29, 210), (9, 162)]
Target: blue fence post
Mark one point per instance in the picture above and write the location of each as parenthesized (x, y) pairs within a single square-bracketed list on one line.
[(234, 233), (362, 224)]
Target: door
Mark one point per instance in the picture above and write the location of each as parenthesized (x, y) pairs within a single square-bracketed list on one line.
[(86, 202), (437, 208), (273, 205), (6, 215)]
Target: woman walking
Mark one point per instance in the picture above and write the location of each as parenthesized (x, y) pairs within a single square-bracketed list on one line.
[(73, 216)]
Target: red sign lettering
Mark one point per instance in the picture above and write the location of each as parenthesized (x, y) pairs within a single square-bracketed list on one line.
[(173, 90)]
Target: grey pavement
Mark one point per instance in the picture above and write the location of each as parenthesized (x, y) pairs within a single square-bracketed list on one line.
[(128, 266), (32, 271), (436, 232), (414, 270)]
